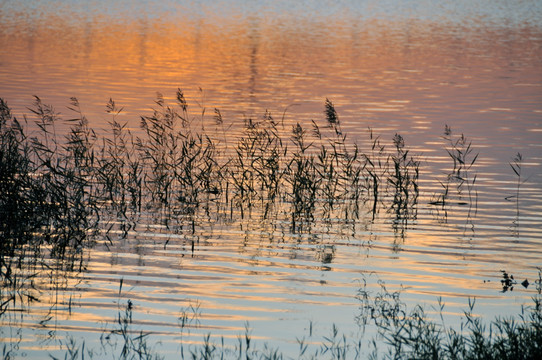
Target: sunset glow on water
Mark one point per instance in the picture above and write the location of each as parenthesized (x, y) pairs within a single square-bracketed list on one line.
[(394, 67)]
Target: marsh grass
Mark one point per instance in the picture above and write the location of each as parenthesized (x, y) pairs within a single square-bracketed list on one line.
[(47, 197), (459, 187), (63, 182), (412, 334), (82, 184), (60, 194), (119, 168), (401, 332), (460, 151), (404, 182), (377, 168), (257, 170), (122, 343), (341, 168), (516, 166)]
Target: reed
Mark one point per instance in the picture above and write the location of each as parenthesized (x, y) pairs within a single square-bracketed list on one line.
[(19, 218), (62, 180), (59, 194), (377, 167), (83, 185), (50, 190), (460, 151), (404, 183), (403, 332), (119, 169), (303, 180), (257, 170), (516, 165), (459, 186), (180, 168), (330, 161)]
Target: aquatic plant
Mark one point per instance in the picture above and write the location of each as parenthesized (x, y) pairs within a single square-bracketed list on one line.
[(459, 179), (119, 169), (460, 151), (48, 197), (19, 215), (257, 170), (60, 194), (71, 188), (404, 182), (377, 167), (402, 333), (340, 168), (412, 334), (516, 168), (303, 180)]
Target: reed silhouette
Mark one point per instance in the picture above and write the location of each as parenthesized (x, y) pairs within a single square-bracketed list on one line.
[(63, 188)]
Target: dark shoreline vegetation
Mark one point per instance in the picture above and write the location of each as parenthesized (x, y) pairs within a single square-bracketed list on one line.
[(60, 195)]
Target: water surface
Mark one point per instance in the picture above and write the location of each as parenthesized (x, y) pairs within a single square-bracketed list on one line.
[(397, 67)]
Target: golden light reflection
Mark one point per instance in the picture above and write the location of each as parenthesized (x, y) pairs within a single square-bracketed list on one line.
[(377, 73), (252, 64)]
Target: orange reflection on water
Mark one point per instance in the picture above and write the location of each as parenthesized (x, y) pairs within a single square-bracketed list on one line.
[(409, 77), (433, 70)]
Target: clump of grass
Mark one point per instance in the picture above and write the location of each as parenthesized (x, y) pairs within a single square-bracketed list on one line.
[(377, 165), (63, 170), (412, 334), (340, 168), (82, 185), (20, 216), (516, 165), (402, 333), (70, 188), (48, 186), (160, 150), (459, 187), (181, 170), (176, 169), (461, 152), (303, 180), (119, 170), (257, 169), (404, 182)]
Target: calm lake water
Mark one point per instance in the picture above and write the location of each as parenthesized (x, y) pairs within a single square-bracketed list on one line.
[(408, 67)]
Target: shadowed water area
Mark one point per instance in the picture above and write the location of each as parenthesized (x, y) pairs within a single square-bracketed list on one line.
[(265, 164)]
